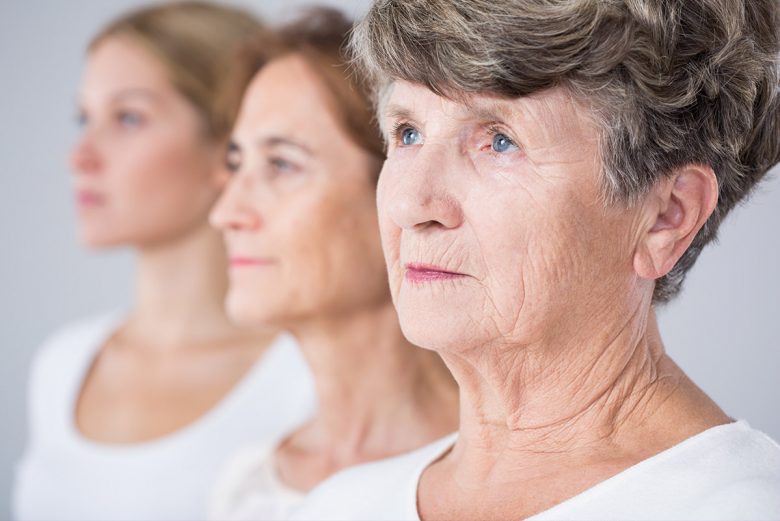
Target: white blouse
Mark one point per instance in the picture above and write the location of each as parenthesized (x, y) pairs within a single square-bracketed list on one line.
[(727, 472), (248, 488), (64, 475)]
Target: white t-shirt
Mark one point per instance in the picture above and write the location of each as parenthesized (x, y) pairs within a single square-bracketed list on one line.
[(64, 475), (248, 488), (726, 472)]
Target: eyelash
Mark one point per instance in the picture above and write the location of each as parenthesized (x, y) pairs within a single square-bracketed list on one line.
[(397, 130), (399, 127), (494, 129)]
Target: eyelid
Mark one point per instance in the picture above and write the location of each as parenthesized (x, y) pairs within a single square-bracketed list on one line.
[(289, 165), (497, 128), (396, 131)]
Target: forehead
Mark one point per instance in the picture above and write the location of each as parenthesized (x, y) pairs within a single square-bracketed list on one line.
[(286, 96), (120, 63), (552, 111)]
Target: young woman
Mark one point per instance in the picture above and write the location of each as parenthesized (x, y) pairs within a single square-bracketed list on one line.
[(132, 412), (299, 217)]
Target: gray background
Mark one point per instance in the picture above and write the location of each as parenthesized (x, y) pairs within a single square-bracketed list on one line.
[(723, 330)]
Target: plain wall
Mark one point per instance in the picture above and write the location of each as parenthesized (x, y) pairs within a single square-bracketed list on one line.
[(723, 330)]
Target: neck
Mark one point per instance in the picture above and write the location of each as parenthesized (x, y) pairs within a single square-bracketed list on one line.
[(565, 395), (378, 393), (180, 290)]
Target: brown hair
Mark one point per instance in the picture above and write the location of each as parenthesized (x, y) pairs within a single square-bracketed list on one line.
[(670, 82), (195, 42), (320, 36)]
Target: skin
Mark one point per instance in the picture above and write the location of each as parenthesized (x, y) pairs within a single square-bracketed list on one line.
[(548, 328), (301, 206), (146, 176)]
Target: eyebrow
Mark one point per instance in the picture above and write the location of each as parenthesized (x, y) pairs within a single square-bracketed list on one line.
[(488, 111), (395, 112), (493, 111), (274, 141), (135, 93)]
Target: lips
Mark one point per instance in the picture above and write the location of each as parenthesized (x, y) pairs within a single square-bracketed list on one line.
[(89, 198), (428, 273), (249, 262)]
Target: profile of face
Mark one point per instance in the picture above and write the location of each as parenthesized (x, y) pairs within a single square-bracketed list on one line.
[(145, 172), (491, 218), (299, 214)]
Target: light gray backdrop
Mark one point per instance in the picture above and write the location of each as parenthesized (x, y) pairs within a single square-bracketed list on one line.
[(723, 330)]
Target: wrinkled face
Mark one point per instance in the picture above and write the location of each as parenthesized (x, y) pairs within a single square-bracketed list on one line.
[(144, 172), (299, 214), (491, 221)]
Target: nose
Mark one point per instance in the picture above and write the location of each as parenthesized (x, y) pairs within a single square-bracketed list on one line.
[(416, 195), (234, 210), (85, 157)]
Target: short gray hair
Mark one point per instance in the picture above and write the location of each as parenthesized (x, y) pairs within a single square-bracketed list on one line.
[(670, 82)]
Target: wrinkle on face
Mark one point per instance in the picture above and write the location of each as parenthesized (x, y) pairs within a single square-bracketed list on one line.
[(534, 234)]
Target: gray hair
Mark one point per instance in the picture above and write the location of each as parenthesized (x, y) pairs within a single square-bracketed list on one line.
[(670, 82)]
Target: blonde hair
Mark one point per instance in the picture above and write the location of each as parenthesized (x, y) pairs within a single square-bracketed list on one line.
[(195, 42)]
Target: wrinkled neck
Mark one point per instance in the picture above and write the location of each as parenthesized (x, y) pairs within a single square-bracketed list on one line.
[(563, 395)]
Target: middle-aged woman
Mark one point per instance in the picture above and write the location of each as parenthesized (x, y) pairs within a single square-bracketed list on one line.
[(132, 413), (554, 169), (300, 224)]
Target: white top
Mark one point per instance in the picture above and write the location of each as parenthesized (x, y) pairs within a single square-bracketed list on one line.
[(726, 472), (64, 475), (248, 488)]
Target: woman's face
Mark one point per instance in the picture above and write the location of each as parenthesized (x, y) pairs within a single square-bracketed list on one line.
[(491, 219), (299, 214), (145, 173)]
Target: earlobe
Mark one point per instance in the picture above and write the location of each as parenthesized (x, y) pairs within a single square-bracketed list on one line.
[(677, 208)]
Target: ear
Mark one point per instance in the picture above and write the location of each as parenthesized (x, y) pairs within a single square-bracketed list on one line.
[(675, 209)]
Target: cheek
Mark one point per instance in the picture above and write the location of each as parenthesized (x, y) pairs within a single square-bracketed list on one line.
[(389, 231), (166, 184)]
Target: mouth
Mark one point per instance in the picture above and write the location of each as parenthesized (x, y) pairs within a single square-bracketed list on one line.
[(428, 273), (249, 262), (89, 199)]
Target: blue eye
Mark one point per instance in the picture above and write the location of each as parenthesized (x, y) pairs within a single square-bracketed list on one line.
[(501, 143), (280, 165), (410, 136), (129, 119)]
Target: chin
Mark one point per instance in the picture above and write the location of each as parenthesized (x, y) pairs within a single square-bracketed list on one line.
[(245, 310), (435, 331), (100, 240)]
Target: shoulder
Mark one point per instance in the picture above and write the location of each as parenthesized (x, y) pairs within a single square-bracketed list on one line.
[(57, 368), (743, 477), (385, 489), (727, 472), (285, 354), (67, 345), (79, 334)]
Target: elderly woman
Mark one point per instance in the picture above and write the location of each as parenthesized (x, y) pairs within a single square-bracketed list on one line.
[(554, 169)]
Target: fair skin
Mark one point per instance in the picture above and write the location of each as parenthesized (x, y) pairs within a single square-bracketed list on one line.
[(146, 176), (299, 218), (503, 259)]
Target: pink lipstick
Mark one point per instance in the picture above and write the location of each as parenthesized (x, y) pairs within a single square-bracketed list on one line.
[(428, 273), (248, 262), (88, 198)]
